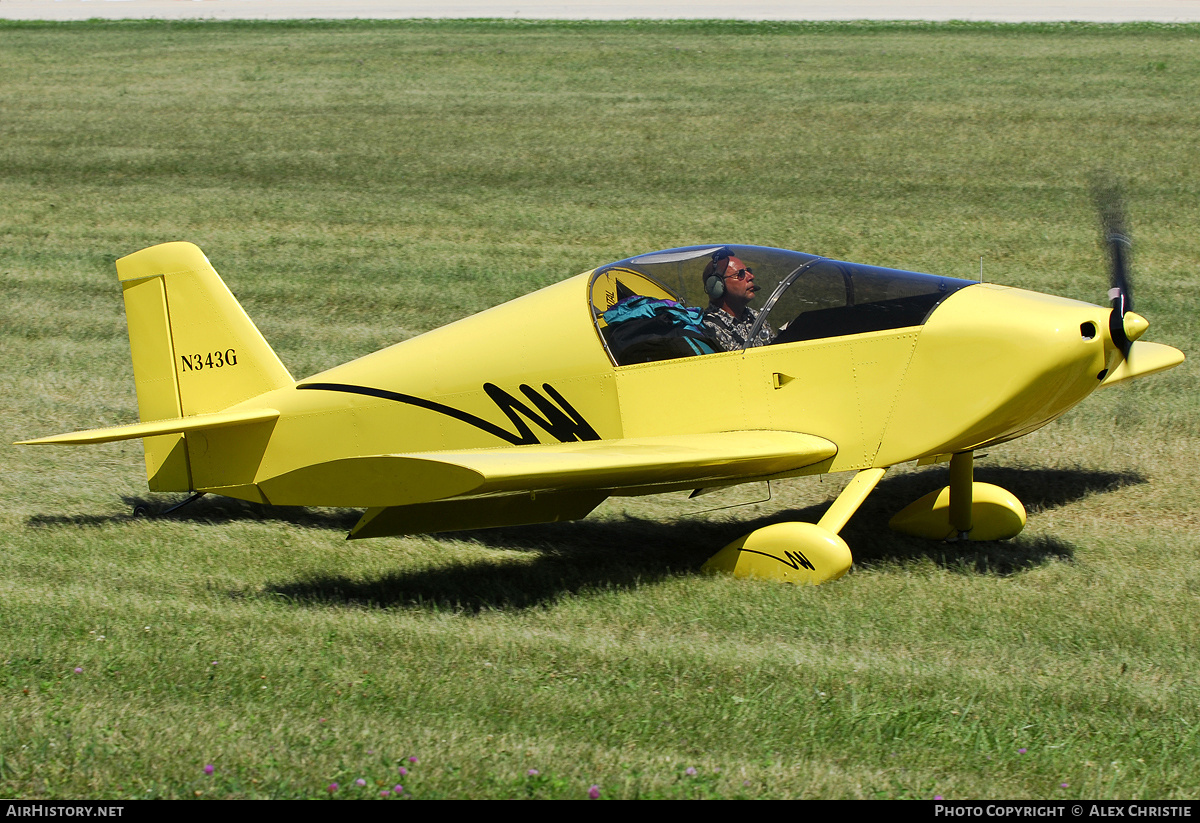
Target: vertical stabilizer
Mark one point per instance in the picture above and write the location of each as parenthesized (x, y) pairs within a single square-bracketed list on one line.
[(194, 349)]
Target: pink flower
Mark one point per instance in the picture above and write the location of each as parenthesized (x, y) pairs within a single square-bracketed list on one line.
[(209, 768), (333, 787), (79, 670), (360, 782), (594, 792), (397, 788)]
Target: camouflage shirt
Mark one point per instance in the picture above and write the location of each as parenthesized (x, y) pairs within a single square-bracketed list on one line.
[(732, 333)]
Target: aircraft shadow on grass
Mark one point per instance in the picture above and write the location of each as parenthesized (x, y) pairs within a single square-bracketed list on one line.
[(206, 510), (625, 553)]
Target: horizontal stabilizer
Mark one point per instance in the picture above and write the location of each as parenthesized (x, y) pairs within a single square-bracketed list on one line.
[(405, 479), (175, 425), (1144, 358)]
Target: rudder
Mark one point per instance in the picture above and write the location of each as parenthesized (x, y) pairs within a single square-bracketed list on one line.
[(194, 349)]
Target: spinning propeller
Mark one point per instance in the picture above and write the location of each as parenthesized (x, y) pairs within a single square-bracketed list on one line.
[(1124, 326)]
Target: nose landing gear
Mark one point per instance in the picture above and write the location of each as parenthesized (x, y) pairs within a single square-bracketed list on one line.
[(964, 510)]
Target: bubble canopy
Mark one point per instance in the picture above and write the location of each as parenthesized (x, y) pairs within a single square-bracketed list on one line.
[(802, 296)]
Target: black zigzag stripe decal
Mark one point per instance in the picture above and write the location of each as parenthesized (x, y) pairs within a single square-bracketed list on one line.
[(561, 420)]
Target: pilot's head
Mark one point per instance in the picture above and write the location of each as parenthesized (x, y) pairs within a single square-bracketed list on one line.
[(728, 282)]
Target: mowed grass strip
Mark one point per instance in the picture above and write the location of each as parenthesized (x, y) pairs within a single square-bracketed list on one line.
[(360, 183)]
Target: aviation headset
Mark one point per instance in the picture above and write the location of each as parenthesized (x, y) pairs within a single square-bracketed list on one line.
[(714, 274)]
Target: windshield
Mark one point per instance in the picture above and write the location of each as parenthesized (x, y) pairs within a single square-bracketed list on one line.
[(831, 298), (804, 296)]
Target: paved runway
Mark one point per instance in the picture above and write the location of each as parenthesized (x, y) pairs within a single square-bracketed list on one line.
[(1103, 11)]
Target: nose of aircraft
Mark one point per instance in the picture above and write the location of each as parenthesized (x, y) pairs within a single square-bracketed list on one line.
[(993, 363)]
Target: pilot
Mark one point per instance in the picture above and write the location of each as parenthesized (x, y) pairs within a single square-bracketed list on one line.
[(730, 288)]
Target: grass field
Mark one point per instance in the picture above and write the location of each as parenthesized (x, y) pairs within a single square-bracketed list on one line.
[(360, 183)]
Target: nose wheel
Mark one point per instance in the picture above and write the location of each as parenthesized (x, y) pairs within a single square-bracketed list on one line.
[(964, 510)]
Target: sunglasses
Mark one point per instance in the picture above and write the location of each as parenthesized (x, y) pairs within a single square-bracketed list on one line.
[(740, 274)]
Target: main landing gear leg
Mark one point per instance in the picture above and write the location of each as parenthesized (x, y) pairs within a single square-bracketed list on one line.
[(807, 553), (964, 510), (962, 478)]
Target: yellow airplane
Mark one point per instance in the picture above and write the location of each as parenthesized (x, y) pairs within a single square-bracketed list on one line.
[(604, 385)]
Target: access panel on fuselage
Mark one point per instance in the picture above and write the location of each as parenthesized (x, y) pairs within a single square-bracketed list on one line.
[(841, 388)]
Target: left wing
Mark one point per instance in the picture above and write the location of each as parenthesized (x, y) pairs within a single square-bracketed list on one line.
[(629, 465)]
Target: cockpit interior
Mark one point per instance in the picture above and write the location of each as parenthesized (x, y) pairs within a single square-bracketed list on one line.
[(648, 307)]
